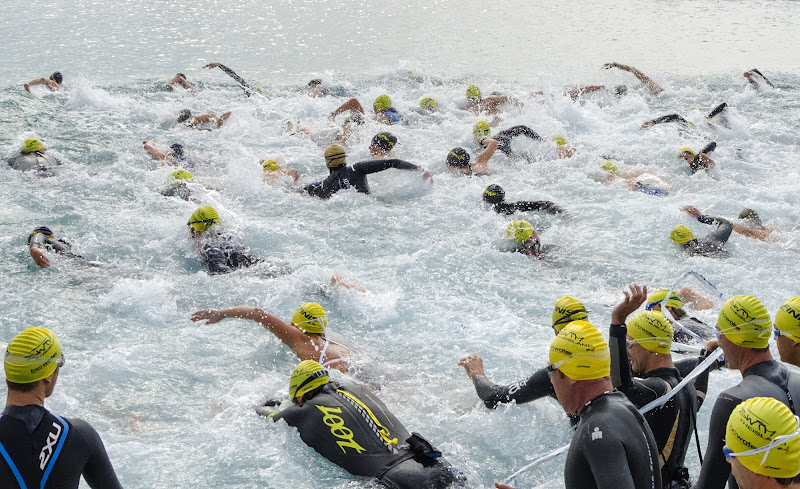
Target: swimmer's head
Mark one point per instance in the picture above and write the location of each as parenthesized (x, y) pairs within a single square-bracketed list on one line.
[(652, 331), (559, 140), (620, 90), (681, 234), (353, 119), (473, 92), (658, 297), (685, 152), (382, 103), (751, 216), (745, 322), (384, 141), (428, 104), (763, 434), (480, 130), (306, 377), (787, 319), (458, 158), (270, 165), (34, 354), (181, 75), (203, 218), (311, 318), (315, 82), (181, 176), (580, 352), (335, 156), (609, 167), (31, 146), (56, 77), (41, 229), (177, 149), (568, 309), (494, 194), (520, 230), (184, 115)]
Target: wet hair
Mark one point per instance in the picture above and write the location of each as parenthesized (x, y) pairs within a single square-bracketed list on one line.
[(14, 386), (184, 115), (56, 77), (788, 481), (181, 75), (177, 149)]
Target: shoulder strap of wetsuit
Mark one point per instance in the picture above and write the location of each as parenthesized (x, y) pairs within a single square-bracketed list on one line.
[(59, 440), (57, 452), (11, 465)]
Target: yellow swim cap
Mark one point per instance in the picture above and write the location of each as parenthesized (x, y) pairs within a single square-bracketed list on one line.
[(580, 352), (745, 322), (609, 167), (427, 103), (568, 309), (686, 150), (32, 145), (270, 165), (787, 319), (307, 376), (310, 317), (383, 102), (764, 435), (181, 174), (560, 140), (203, 218), (651, 330), (520, 230), (32, 355), (681, 234), (473, 92), (659, 295), (481, 129), (335, 156)]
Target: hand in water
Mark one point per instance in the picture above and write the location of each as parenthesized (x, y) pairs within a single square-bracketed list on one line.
[(210, 315), (427, 176), (692, 211)]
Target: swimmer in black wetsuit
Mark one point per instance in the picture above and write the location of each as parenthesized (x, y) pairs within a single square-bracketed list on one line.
[(699, 161), (42, 240), (495, 196), (342, 176), (711, 245), (744, 327), (481, 131), (458, 160), (178, 185), (348, 425), (32, 156), (39, 448), (757, 79), (220, 252), (248, 90)]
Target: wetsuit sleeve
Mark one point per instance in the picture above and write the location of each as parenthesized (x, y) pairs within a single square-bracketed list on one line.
[(664, 119), (537, 205), (619, 356), (716, 470), (375, 166), (536, 387), (723, 231), (216, 260), (323, 189), (247, 88), (98, 471), (515, 131)]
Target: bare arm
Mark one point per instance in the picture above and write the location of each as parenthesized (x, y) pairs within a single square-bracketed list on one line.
[(705, 160), (574, 94), (156, 153), (179, 80), (40, 257), (648, 82), (481, 165), (291, 336), (352, 104), (53, 86), (698, 300)]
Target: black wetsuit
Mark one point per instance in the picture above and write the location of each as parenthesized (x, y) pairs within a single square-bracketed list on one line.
[(355, 176), (613, 448), (536, 387), (41, 445), (221, 254), (248, 90), (664, 119), (672, 423), (343, 432), (701, 329), (697, 163), (504, 137), (509, 208), (59, 246), (180, 190), (43, 164), (765, 379), (713, 244)]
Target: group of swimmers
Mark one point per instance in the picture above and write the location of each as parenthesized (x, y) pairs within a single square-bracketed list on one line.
[(593, 378)]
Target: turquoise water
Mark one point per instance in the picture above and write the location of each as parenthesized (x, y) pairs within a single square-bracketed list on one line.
[(173, 399)]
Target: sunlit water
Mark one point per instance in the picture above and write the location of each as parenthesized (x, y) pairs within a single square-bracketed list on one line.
[(173, 400)]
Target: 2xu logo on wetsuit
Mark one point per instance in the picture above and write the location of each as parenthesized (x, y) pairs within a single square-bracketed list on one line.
[(47, 450), (339, 430)]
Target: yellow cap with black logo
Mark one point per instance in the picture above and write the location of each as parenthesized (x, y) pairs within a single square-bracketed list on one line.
[(307, 376), (744, 321), (580, 352), (34, 354), (310, 317), (568, 309), (651, 330), (787, 319)]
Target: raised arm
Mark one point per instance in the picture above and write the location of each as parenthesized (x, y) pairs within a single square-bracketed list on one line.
[(578, 92), (248, 90), (156, 153), (481, 165), (353, 105), (291, 336), (646, 80)]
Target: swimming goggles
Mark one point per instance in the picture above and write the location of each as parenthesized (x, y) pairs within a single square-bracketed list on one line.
[(554, 366), (34, 360), (776, 442), (737, 329)]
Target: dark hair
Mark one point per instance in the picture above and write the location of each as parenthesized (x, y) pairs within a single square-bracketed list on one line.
[(182, 75), (788, 481), (185, 114), (14, 386), (678, 312)]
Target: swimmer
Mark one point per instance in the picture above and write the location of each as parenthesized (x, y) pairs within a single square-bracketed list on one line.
[(382, 108), (654, 87), (342, 176), (248, 90), (54, 83), (219, 252), (175, 156), (743, 328), (33, 156), (328, 136), (698, 161), (273, 171), (526, 241), (457, 160), (345, 423), (718, 117), (490, 105), (41, 241), (180, 81), (757, 79), (712, 245), (495, 196), (689, 327), (382, 145), (768, 459), (202, 121), (178, 187), (666, 119), (750, 225), (577, 93), (613, 446), (636, 180), (481, 131), (304, 335), (315, 89), (786, 329), (41, 448), (428, 106)]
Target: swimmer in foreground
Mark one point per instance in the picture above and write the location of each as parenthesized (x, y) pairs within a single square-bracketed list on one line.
[(220, 252), (174, 157), (305, 335), (491, 104), (654, 87), (54, 83), (33, 156), (41, 241), (743, 329), (202, 121), (273, 170), (382, 108), (342, 176), (180, 81), (757, 79), (711, 245), (765, 455), (495, 196), (40, 448), (613, 446), (750, 225), (538, 385), (458, 160), (248, 90), (348, 425), (786, 329), (698, 161)]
